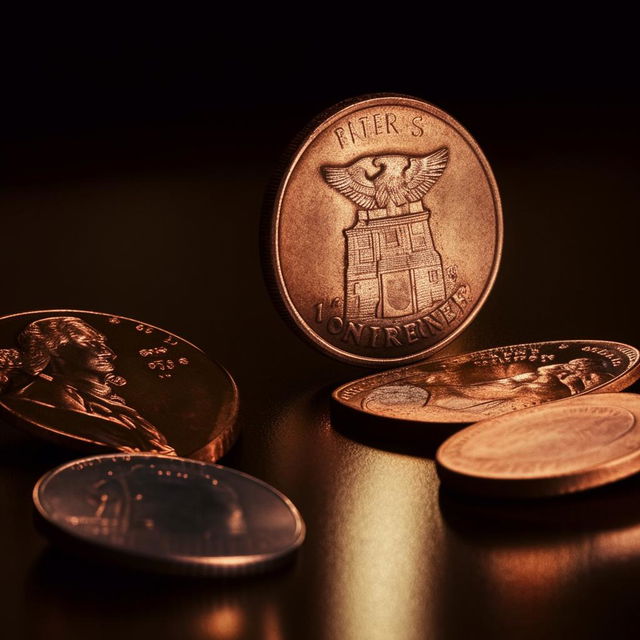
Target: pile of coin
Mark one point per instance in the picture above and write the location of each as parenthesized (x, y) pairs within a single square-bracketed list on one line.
[(381, 243), (100, 383), (404, 257)]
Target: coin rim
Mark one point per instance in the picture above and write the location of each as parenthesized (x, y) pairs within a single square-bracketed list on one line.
[(619, 383), (544, 485), (212, 450), (212, 565), (272, 269)]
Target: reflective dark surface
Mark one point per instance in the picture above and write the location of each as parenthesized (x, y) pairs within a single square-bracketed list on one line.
[(163, 193)]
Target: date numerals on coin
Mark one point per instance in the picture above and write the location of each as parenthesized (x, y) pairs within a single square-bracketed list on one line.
[(334, 307), (163, 367)]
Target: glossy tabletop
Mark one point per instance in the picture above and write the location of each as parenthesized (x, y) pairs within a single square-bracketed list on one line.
[(160, 222)]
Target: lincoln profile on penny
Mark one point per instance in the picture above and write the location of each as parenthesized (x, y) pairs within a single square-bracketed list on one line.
[(63, 376)]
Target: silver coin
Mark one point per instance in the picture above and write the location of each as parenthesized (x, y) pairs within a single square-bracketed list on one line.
[(168, 514)]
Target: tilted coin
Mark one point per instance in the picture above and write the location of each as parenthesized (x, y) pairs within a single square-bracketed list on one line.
[(482, 384), (562, 447), (385, 231), (168, 514), (103, 382)]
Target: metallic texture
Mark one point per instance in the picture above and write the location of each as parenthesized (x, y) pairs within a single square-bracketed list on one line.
[(482, 384), (563, 447), (103, 382), (168, 514), (384, 234)]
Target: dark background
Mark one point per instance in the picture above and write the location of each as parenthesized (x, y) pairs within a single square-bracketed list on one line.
[(135, 151)]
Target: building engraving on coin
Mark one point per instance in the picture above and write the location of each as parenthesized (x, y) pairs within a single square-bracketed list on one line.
[(66, 365), (393, 268), (385, 231), (95, 381)]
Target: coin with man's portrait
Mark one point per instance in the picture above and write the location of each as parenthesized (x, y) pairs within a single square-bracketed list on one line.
[(104, 382), (483, 384)]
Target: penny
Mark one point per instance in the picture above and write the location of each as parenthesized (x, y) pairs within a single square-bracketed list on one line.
[(168, 514), (483, 384), (385, 232), (100, 382), (562, 447)]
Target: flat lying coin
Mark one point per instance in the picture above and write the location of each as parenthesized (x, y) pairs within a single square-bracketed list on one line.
[(101, 382), (563, 447), (482, 384), (168, 514), (385, 231)]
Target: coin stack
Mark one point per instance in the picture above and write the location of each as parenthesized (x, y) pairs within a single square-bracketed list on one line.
[(406, 255)]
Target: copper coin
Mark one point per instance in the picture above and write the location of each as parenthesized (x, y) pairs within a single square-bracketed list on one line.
[(385, 231), (103, 382), (167, 514), (482, 384), (562, 447)]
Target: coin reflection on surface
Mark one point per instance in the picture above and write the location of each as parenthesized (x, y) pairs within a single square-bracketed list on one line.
[(225, 622), (60, 586), (376, 582), (529, 562)]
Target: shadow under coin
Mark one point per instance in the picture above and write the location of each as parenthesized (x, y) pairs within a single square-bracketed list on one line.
[(69, 597), (553, 568), (609, 507), (25, 452), (388, 434)]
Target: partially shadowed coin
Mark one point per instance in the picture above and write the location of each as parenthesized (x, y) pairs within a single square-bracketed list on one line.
[(482, 384), (168, 514), (562, 447), (385, 232), (103, 382)]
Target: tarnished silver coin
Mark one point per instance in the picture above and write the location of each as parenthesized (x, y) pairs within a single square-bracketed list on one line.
[(168, 514)]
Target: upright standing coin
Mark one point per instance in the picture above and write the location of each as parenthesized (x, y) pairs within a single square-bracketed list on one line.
[(168, 514), (385, 231), (478, 385), (102, 382), (563, 447)]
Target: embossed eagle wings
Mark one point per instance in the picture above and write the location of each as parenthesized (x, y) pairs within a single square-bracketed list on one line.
[(374, 180)]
